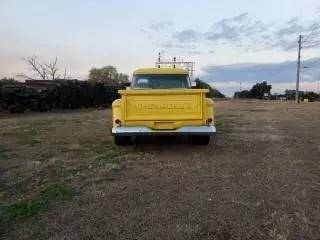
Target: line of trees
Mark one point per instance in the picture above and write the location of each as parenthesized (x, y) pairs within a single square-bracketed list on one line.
[(258, 91), (262, 90), (310, 95), (46, 88), (47, 95)]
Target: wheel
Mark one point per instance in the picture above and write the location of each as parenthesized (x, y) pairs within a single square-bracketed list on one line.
[(201, 140), (122, 140)]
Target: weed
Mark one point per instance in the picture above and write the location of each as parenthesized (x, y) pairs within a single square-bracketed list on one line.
[(21, 210), (57, 191), (107, 152), (28, 141), (20, 187), (254, 110), (4, 153), (224, 125), (58, 170), (221, 125), (3, 149), (33, 206), (44, 156)]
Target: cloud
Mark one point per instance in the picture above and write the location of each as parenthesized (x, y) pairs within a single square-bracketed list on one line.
[(242, 32), (286, 36), (227, 30), (240, 18), (263, 36), (186, 49), (175, 45), (195, 52), (291, 27), (187, 35), (225, 76), (160, 26), (235, 28)]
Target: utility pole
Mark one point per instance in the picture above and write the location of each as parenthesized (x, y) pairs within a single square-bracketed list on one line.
[(298, 70), (159, 59)]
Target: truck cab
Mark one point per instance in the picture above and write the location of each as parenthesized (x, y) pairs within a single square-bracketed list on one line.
[(160, 101)]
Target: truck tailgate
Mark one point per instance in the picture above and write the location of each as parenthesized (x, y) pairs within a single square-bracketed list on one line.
[(163, 105)]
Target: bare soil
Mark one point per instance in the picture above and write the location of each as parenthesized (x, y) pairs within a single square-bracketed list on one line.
[(258, 179)]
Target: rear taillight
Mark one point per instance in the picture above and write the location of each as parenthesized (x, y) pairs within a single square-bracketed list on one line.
[(117, 121)]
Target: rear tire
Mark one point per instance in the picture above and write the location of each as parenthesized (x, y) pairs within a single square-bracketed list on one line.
[(201, 140), (122, 140)]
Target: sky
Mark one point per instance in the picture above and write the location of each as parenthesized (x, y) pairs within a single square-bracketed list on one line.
[(230, 41)]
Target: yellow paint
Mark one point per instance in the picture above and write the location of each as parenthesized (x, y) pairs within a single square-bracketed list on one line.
[(163, 109), (179, 71), (209, 109), (116, 111)]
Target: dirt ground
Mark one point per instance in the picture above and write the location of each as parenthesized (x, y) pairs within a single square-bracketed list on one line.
[(258, 179)]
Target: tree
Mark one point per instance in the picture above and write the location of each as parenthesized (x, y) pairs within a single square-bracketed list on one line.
[(242, 94), (257, 91), (123, 78), (52, 69), (311, 96), (42, 70), (107, 75), (213, 93)]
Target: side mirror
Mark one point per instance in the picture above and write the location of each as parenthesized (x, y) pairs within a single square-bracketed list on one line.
[(193, 84)]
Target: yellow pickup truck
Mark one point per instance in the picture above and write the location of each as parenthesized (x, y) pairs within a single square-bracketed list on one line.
[(160, 101)]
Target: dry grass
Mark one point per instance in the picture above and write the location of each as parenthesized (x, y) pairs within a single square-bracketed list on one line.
[(61, 177)]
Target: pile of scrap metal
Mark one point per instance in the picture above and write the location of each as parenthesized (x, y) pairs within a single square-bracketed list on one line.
[(47, 95)]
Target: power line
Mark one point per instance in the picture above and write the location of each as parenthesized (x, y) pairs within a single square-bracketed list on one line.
[(311, 37), (314, 30)]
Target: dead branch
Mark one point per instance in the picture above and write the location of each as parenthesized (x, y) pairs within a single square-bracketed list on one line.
[(38, 68), (52, 69), (44, 71)]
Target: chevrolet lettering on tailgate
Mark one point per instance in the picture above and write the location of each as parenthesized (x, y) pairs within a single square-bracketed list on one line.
[(157, 106), (161, 101)]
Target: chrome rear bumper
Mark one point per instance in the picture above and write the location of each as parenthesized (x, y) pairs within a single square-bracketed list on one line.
[(141, 131)]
